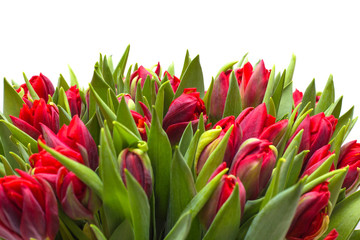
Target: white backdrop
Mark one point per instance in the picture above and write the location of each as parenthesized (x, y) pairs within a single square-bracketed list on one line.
[(41, 36)]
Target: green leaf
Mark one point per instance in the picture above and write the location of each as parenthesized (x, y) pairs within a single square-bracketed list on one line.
[(20, 161), (71, 225), (32, 92), (63, 101), (190, 153), (270, 88), (309, 96), (322, 169), (286, 102), (21, 136), (182, 188), (345, 216), (139, 208), (124, 117), (193, 78), (187, 61), (214, 160), (62, 83), (108, 77), (290, 70), (120, 68), (327, 96), (124, 230), (336, 144), (159, 102), (355, 235), (335, 185), (84, 173), (207, 96), (233, 99), (282, 208), (226, 67), (73, 79), (98, 234), (227, 221), (160, 154), (7, 167), (295, 168), (239, 65), (343, 120), (335, 108), (321, 179), (186, 139), (278, 90), (122, 134), (12, 101), (171, 69)]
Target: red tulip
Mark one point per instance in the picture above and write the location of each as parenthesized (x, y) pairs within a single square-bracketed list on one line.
[(138, 164), (74, 99), (298, 97), (350, 156), (219, 94), (252, 84), (42, 86), (318, 130), (332, 235), (317, 159), (43, 164), (139, 75), (311, 219), (77, 137), (174, 81), (253, 164), (256, 123), (140, 122), (77, 200), (28, 208), (220, 195), (184, 109), (30, 119)]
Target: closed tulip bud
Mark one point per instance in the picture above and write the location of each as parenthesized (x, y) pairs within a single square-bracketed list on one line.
[(130, 103), (219, 94), (221, 194), (253, 164), (44, 165), (184, 109), (77, 137), (28, 208), (318, 130), (316, 160), (138, 164), (311, 219), (253, 84), (74, 99), (174, 81), (350, 156), (77, 200), (30, 119), (139, 75), (42, 86), (256, 123)]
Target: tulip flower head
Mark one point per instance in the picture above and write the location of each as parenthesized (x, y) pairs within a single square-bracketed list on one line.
[(30, 119), (42, 86), (28, 208), (74, 99), (174, 81)]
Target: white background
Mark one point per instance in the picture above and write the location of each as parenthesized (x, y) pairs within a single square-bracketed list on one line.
[(42, 36)]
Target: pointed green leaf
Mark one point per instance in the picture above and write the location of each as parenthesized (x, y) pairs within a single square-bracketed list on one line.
[(335, 108), (278, 90), (207, 96), (7, 167), (290, 70), (120, 68), (62, 83), (286, 102), (124, 117), (12, 101), (99, 235), (190, 152), (73, 79), (226, 67), (309, 96), (186, 139), (32, 92), (322, 169), (124, 230), (335, 185), (295, 168), (270, 87), (327, 96), (233, 99), (187, 61), (239, 65), (343, 120), (108, 77)]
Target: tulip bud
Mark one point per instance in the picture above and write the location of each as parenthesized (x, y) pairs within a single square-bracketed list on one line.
[(174, 81), (311, 219), (138, 164), (139, 75), (253, 164), (350, 156), (42, 86), (77, 137), (253, 84), (28, 208), (221, 194), (219, 94), (30, 119), (184, 109), (77, 200), (317, 159), (74, 99), (128, 100)]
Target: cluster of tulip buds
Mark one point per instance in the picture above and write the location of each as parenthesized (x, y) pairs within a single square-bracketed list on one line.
[(149, 154)]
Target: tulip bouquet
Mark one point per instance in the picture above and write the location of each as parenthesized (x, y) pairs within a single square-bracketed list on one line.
[(144, 154)]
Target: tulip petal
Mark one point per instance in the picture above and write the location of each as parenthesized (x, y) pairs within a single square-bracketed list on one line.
[(25, 127)]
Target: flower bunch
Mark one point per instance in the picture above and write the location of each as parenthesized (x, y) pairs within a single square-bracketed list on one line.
[(144, 153)]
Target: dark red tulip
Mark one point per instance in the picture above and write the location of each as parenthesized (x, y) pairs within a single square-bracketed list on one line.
[(350, 156), (42, 86), (138, 164), (28, 208), (74, 99), (77, 137), (184, 109), (221, 194), (30, 119), (253, 164), (311, 219), (174, 81)]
